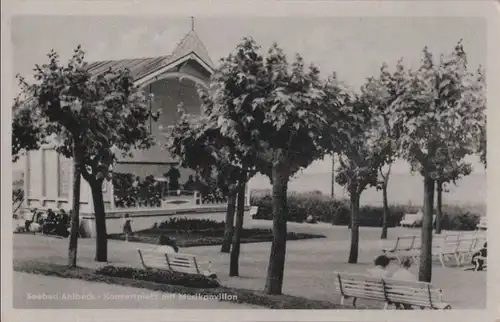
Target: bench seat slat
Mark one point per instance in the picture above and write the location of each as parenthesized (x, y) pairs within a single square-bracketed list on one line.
[(390, 291), (178, 262)]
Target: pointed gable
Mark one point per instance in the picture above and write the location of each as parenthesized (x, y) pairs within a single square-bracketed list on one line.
[(191, 43)]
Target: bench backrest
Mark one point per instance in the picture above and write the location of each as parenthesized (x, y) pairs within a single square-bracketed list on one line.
[(404, 242), (183, 263), (412, 217), (388, 290), (412, 292), (176, 262), (360, 286), (466, 245), (153, 259)]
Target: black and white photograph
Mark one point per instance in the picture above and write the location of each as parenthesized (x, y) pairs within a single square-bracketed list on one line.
[(253, 162)]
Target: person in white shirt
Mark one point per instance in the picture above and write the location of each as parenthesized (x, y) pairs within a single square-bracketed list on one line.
[(380, 269), (404, 274)]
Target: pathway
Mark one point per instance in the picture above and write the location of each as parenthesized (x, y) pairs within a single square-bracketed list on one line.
[(308, 269), (47, 292)]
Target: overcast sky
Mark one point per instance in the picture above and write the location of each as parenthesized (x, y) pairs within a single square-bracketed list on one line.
[(355, 48)]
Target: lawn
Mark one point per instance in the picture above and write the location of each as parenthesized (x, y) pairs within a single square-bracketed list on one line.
[(308, 270)]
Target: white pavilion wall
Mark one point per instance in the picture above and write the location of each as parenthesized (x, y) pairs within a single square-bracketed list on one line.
[(48, 183)]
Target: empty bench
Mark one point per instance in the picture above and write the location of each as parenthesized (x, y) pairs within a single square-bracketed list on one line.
[(404, 246), (419, 294), (173, 262)]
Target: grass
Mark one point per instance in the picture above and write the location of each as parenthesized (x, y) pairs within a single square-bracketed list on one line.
[(207, 237), (237, 295)]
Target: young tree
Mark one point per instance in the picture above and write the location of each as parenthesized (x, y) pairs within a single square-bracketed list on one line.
[(89, 118), (199, 145), (435, 108), (360, 161), (282, 118), (379, 94)]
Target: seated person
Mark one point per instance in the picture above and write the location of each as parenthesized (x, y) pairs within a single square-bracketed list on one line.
[(63, 218), (51, 216), (380, 269), (27, 223), (173, 176), (189, 185), (403, 274), (478, 258), (167, 245)]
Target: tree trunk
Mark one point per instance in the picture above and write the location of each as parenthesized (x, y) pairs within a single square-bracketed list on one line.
[(353, 253), (101, 250), (235, 251), (385, 217), (425, 270), (274, 280), (439, 210), (75, 211), (229, 227)]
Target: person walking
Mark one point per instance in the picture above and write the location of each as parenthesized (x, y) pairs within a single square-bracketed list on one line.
[(127, 226)]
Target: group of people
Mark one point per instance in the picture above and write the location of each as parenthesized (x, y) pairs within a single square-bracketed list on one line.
[(403, 272), (193, 183), (52, 224)]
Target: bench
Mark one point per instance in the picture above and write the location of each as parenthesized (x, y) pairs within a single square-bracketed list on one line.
[(483, 224), (357, 286), (403, 244), (411, 220), (485, 264), (173, 262)]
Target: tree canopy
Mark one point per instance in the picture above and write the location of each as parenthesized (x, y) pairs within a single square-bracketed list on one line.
[(105, 113)]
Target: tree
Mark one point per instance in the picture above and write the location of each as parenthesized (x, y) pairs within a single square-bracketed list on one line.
[(436, 109), (360, 161), (199, 145), (89, 118), (379, 94), (445, 175), (281, 117)]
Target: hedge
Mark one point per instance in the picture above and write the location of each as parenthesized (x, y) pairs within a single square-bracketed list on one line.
[(326, 209), (160, 276)]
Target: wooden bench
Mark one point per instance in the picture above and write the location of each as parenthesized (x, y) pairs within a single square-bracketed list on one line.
[(403, 244), (420, 294), (173, 262)]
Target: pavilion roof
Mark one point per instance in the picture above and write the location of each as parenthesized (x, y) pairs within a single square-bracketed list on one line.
[(142, 67)]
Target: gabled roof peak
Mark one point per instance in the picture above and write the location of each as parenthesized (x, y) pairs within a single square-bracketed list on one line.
[(191, 43)]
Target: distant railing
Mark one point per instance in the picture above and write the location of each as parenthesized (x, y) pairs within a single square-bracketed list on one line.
[(172, 199)]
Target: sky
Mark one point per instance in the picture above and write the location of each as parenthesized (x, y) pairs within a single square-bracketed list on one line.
[(353, 47)]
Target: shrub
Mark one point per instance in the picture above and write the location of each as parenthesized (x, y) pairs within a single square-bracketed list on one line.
[(465, 221), (325, 209), (159, 276), (185, 224)]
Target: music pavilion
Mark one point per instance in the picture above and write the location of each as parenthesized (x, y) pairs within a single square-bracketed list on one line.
[(170, 80)]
